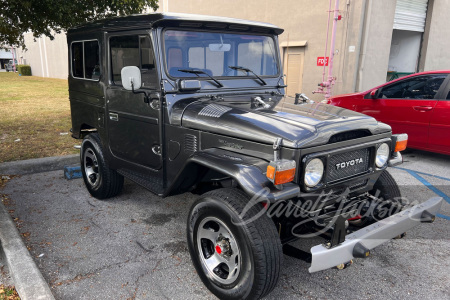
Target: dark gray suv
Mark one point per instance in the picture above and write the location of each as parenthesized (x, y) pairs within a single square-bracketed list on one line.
[(180, 103)]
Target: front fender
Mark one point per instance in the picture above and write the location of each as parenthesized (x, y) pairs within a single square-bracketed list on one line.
[(249, 173)]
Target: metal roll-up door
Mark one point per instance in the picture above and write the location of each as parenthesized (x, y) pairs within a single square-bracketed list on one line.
[(410, 15)]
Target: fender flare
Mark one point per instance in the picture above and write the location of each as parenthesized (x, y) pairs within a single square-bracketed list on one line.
[(249, 173)]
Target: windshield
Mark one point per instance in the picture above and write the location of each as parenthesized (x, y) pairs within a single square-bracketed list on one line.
[(214, 53)]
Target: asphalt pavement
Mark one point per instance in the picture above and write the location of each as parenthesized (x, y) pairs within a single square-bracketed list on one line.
[(134, 246)]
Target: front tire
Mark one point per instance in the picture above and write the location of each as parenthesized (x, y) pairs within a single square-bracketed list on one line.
[(234, 260), (388, 203), (101, 181)]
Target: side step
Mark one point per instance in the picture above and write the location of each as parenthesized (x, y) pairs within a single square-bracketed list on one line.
[(153, 184)]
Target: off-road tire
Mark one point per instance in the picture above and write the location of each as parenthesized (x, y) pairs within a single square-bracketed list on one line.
[(258, 242), (107, 183), (387, 191)]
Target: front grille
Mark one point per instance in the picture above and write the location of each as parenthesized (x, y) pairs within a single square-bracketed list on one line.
[(348, 164)]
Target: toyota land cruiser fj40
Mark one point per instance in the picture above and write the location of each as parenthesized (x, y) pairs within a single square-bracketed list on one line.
[(181, 103)]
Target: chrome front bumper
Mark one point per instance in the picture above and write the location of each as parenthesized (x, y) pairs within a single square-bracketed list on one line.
[(373, 235)]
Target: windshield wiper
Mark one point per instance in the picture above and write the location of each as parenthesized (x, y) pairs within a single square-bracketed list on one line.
[(197, 72), (248, 71)]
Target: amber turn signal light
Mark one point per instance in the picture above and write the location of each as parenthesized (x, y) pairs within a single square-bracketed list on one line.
[(402, 141), (281, 171)]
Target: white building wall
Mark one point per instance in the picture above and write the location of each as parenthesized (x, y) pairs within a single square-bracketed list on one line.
[(436, 40), (47, 58)]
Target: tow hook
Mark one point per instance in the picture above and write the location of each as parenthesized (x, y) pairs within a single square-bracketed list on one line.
[(344, 265)]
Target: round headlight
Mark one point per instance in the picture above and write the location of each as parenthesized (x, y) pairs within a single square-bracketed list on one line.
[(313, 172), (382, 155)]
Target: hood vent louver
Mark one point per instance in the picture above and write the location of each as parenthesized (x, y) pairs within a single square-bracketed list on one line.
[(190, 144), (214, 110), (349, 135)]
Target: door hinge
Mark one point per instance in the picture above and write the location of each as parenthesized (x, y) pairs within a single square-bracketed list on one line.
[(156, 149), (155, 104)]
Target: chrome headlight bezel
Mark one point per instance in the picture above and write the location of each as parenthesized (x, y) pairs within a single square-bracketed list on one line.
[(314, 171), (382, 155)]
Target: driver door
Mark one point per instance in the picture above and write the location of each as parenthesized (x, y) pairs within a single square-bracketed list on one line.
[(133, 125)]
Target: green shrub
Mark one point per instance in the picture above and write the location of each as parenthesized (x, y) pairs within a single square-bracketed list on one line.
[(24, 70)]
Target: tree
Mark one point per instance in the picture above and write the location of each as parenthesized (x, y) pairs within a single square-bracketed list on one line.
[(46, 17)]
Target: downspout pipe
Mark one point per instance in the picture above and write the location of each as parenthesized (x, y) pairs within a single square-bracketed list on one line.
[(364, 36), (333, 44)]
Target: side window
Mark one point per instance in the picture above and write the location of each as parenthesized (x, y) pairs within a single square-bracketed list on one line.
[(77, 59), (133, 50), (86, 60), (424, 87), (91, 60)]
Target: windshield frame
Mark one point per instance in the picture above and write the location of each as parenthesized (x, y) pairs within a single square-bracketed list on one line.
[(238, 77)]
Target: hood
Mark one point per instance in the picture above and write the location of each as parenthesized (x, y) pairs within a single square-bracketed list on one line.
[(309, 125), (348, 95)]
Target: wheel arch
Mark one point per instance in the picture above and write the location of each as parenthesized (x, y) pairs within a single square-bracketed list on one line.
[(248, 172)]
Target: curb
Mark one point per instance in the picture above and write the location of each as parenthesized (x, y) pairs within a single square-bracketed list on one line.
[(38, 165), (27, 278)]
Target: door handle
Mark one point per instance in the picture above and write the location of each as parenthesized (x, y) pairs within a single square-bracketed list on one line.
[(113, 117), (422, 108)]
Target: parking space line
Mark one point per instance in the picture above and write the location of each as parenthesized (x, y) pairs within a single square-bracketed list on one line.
[(431, 187), (422, 173), (443, 216)]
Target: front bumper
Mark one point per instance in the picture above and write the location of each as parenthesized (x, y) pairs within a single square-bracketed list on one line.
[(373, 235)]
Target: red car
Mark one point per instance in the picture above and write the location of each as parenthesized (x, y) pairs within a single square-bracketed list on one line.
[(418, 104)]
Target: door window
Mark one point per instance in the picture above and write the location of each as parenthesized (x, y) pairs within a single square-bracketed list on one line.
[(423, 87), (133, 50)]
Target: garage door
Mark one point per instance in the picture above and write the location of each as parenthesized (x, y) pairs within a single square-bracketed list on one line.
[(410, 15)]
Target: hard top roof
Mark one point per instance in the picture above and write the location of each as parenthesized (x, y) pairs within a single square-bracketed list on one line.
[(174, 19)]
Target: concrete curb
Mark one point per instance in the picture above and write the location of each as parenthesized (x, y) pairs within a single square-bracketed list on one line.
[(38, 165), (28, 280)]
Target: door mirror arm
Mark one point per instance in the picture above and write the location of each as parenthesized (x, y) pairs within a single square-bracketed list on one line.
[(131, 77), (374, 94), (146, 96)]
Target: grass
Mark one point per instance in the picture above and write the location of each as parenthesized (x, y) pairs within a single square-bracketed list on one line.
[(35, 110), (8, 293)]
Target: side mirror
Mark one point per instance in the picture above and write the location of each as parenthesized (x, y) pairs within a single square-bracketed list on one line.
[(374, 94), (131, 78)]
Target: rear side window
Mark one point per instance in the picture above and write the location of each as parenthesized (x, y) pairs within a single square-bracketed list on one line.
[(77, 59), (423, 87), (86, 60)]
